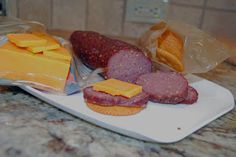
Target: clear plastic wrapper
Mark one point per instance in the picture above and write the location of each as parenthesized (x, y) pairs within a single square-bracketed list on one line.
[(201, 52), (71, 81)]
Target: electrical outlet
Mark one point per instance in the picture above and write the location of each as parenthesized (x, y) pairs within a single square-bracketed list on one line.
[(2, 7), (148, 11)]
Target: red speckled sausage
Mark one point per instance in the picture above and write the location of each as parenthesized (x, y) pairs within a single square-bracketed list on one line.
[(128, 65), (164, 87), (191, 97), (95, 97), (95, 49)]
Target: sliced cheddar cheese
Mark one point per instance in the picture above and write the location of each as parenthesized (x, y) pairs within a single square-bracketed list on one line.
[(60, 53), (26, 40), (117, 87), (20, 64), (48, 46)]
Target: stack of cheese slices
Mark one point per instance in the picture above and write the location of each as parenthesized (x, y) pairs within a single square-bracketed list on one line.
[(36, 58)]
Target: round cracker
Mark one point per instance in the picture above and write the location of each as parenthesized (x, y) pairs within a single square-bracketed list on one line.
[(171, 43), (114, 110), (169, 59)]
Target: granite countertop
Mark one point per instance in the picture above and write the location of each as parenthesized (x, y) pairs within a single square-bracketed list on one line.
[(31, 127)]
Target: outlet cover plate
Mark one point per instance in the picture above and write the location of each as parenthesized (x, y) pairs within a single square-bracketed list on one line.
[(147, 11)]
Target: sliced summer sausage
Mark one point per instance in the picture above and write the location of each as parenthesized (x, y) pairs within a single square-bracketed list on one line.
[(164, 87), (101, 98), (192, 96), (95, 49), (128, 66)]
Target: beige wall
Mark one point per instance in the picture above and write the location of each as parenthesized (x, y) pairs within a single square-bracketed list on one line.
[(217, 17)]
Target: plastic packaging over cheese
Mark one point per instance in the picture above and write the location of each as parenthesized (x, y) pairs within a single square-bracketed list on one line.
[(45, 36), (20, 64), (117, 87), (20, 67)]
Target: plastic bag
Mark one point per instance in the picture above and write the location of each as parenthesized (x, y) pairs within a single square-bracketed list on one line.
[(66, 85), (201, 51)]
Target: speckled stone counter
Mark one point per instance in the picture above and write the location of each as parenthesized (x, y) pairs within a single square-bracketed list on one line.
[(30, 127)]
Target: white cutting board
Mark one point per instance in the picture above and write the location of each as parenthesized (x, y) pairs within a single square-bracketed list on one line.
[(158, 122)]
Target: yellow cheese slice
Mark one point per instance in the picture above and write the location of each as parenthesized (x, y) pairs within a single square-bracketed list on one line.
[(26, 40), (60, 53), (20, 64), (48, 46), (117, 87), (51, 43)]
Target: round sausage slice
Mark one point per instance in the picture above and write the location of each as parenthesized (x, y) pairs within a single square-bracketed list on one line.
[(191, 97), (128, 66), (164, 87), (104, 99)]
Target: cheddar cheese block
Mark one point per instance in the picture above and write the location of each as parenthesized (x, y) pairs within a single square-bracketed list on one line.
[(117, 87), (60, 53), (26, 40), (20, 64)]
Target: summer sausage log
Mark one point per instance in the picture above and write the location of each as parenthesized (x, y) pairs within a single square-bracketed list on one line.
[(128, 66), (101, 98), (95, 49), (164, 87)]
